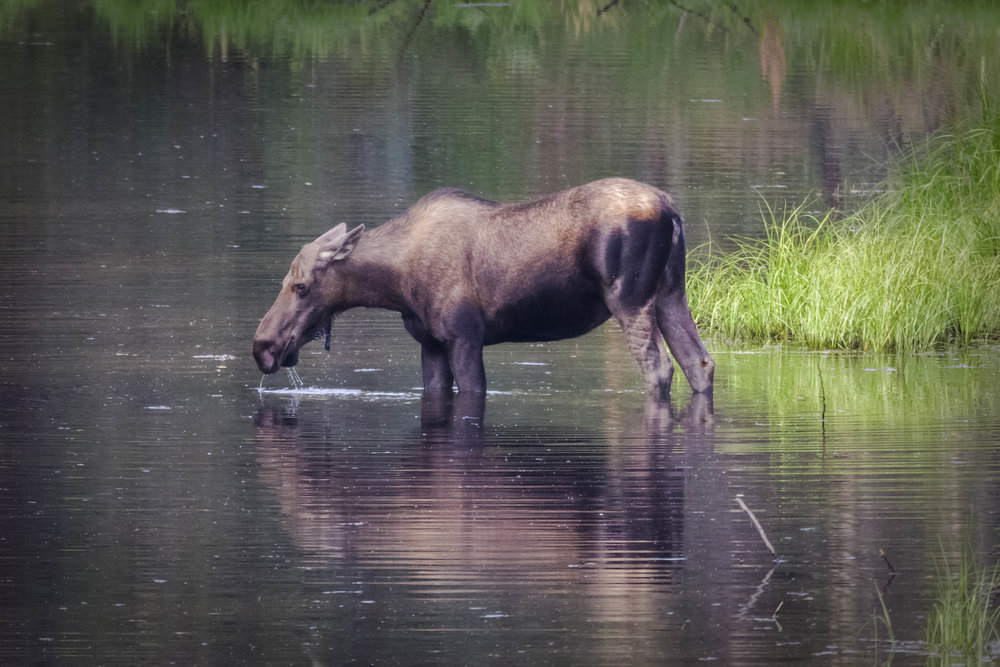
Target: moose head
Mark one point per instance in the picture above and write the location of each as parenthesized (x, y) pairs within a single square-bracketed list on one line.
[(311, 295)]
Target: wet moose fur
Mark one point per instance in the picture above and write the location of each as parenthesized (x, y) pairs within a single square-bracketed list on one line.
[(465, 272)]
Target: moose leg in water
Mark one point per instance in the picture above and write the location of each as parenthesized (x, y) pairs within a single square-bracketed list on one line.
[(643, 339), (436, 368), (434, 363)]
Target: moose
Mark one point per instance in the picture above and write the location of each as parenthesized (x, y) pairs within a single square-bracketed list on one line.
[(465, 272)]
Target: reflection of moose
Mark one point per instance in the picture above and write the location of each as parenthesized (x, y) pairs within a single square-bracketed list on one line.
[(449, 495), (465, 272), (557, 525)]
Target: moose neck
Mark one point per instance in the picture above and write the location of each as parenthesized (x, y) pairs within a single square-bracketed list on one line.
[(370, 276)]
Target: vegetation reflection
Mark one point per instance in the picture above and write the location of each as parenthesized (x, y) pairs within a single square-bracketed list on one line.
[(895, 35)]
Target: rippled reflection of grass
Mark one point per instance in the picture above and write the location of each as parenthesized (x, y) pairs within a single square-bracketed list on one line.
[(964, 624), (913, 268)]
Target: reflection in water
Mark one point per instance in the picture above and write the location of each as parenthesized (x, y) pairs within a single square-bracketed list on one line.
[(510, 524), (470, 475), (772, 60), (453, 417), (473, 517), (559, 524)]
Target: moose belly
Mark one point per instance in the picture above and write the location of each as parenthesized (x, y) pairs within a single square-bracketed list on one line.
[(545, 315)]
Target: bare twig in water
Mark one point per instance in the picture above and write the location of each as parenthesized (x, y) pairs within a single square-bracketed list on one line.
[(380, 6), (413, 28), (709, 20), (822, 392), (607, 7), (822, 414), (886, 559), (761, 587), (756, 524), (688, 10), (774, 616), (736, 10)]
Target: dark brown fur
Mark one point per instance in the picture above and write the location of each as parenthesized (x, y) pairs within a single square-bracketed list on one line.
[(465, 272)]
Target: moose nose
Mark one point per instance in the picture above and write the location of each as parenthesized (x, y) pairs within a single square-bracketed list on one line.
[(264, 354), (705, 376)]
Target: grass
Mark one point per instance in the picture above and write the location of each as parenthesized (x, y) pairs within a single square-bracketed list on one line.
[(964, 624), (912, 269), (883, 618)]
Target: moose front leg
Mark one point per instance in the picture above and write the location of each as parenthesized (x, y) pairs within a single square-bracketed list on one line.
[(681, 335), (465, 331), (466, 358), (434, 363), (436, 368)]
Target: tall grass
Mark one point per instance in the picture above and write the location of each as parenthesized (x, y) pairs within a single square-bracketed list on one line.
[(914, 268), (964, 624)]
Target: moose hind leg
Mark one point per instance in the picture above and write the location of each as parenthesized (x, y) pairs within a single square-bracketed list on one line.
[(643, 338)]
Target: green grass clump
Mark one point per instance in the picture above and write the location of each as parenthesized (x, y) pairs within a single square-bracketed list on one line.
[(914, 268), (964, 624)]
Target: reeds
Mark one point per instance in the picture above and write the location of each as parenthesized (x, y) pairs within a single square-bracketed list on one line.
[(964, 624), (916, 267)]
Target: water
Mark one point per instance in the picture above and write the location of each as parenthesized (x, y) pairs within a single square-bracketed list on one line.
[(159, 501)]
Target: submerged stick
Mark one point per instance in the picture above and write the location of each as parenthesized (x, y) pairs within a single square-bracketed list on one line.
[(822, 395), (822, 414), (881, 552), (756, 524)]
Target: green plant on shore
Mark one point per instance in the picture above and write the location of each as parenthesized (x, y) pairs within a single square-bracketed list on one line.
[(964, 624), (916, 267)]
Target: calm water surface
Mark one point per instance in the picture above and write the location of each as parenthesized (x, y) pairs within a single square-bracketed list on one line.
[(159, 502)]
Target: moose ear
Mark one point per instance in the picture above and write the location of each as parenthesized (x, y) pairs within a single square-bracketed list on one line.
[(338, 242), (331, 236)]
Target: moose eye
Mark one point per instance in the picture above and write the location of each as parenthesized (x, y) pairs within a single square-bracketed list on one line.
[(299, 288)]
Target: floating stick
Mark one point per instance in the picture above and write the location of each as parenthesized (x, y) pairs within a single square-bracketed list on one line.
[(756, 523)]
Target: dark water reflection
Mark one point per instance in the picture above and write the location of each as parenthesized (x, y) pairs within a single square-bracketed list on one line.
[(158, 503), (482, 530), (150, 513), (591, 528)]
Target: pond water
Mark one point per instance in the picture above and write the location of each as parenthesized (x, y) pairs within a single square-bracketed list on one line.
[(162, 162)]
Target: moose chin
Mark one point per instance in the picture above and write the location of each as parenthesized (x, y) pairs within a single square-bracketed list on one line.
[(465, 272)]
